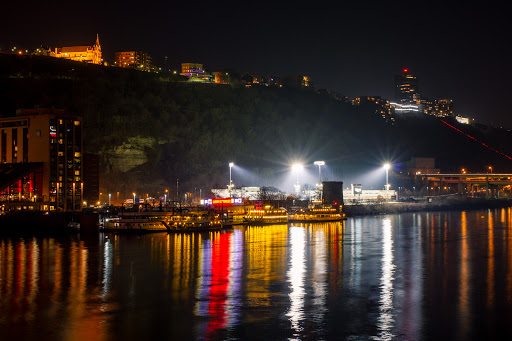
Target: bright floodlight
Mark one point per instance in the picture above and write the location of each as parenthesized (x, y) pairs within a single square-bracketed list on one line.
[(297, 167), (231, 164), (319, 163), (386, 165)]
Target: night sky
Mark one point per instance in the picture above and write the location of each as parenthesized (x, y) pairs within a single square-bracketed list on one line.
[(456, 51)]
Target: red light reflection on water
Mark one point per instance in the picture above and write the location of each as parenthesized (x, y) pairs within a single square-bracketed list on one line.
[(219, 283)]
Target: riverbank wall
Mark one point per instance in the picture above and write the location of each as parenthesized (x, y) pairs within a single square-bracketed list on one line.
[(437, 204)]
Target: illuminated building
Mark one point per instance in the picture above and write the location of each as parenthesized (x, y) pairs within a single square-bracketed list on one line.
[(86, 54), (42, 51), (196, 73), (406, 88), (298, 81), (422, 165), (221, 77), (134, 60), (399, 108), (438, 107), (463, 120), (41, 160), (381, 107), (250, 79), (443, 107)]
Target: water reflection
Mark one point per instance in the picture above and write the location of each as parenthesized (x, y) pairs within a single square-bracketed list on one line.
[(319, 277), (436, 275), (386, 320), (295, 276)]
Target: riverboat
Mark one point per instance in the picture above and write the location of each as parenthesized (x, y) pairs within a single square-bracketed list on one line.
[(313, 215), (165, 221), (265, 216)]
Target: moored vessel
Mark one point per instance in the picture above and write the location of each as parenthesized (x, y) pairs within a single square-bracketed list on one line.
[(314, 215), (165, 222), (266, 215)]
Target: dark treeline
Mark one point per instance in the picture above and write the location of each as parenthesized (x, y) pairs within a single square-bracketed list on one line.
[(190, 131)]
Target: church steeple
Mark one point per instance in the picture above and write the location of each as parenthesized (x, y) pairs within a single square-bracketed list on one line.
[(97, 39)]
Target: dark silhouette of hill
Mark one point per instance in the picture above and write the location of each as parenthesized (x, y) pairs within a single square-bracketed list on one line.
[(152, 129)]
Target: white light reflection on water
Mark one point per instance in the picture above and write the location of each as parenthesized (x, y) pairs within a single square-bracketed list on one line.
[(233, 302), (296, 275), (107, 267), (386, 320), (204, 278), (319, 278)]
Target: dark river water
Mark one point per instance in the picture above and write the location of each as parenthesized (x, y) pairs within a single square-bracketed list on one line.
[(416, 276)]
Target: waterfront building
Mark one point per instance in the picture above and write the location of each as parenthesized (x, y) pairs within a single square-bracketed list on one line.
[(41, 160), (406, 88), (138, 60), (87, 54), (422, 165)]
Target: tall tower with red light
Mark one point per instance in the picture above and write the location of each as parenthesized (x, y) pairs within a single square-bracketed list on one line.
[(406, 88)]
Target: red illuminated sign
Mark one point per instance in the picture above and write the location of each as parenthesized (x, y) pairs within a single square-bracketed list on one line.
[(226, 201)]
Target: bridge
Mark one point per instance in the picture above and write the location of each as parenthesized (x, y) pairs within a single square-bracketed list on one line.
[(492, 185)]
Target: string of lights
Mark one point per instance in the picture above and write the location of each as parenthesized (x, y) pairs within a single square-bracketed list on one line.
[(476, 140)]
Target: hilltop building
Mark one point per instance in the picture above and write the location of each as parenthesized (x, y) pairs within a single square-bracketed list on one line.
[(196, 73), (137, 60), (380, 106), (41, 161), (443, 107), (87, 54), (221, 77), (406, 88), (250, 78), (298, 81)]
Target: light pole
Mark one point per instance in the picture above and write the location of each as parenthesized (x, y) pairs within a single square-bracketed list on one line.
[(320, 186), (319, 164), (231, 164), (109, 198), (386, 166), (133, 198), (296, 168)]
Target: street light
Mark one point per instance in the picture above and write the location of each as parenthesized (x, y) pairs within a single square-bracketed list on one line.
[(386, 167), (320, 185), (319, 164), (231, 164), (134, 198), (297, 168)]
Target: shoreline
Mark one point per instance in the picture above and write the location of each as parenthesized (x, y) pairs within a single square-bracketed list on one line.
[(438, 204)]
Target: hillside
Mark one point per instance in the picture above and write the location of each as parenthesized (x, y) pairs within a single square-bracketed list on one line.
[(150, 130)]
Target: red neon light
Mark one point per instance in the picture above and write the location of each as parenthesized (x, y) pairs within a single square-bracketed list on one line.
[(406, 70), (226, 201), (471, 137)]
